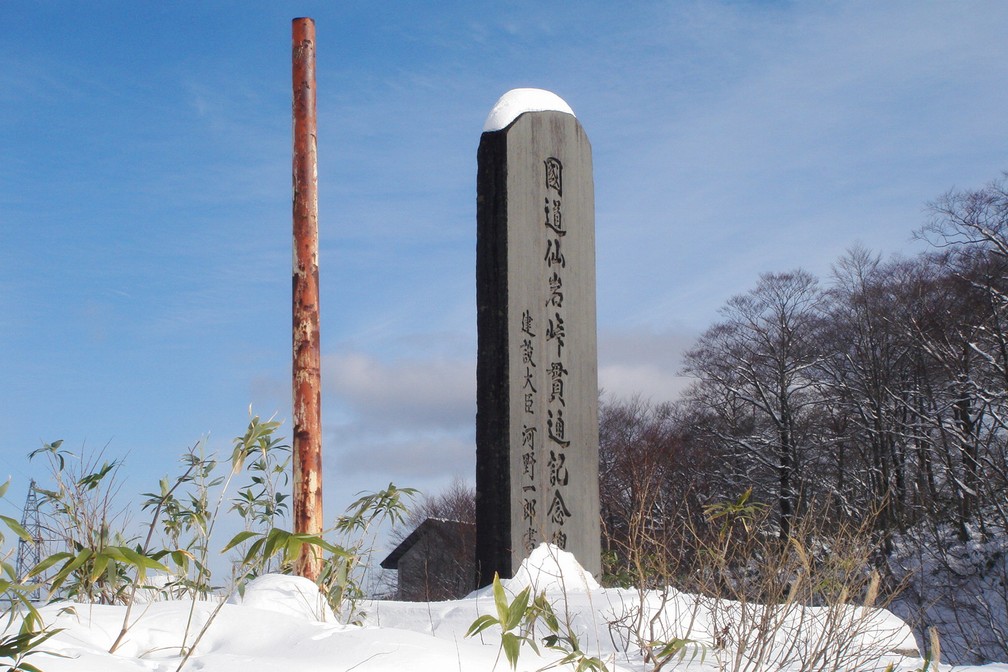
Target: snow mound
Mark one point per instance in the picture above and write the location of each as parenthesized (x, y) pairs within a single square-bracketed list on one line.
[(291, 595), (518, 101), (548, 569)]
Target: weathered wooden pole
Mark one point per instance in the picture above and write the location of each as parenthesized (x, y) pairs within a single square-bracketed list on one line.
[(307, 358)]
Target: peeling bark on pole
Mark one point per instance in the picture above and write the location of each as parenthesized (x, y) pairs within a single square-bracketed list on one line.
[(306, 363)]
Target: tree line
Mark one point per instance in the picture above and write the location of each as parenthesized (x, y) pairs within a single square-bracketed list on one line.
[(878, 391)]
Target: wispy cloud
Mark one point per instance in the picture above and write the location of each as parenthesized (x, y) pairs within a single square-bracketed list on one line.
[(410, 420), (145, 193), (426, 394), (643, 362)]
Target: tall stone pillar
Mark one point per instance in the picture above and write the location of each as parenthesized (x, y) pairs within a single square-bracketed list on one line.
[(537, 371)]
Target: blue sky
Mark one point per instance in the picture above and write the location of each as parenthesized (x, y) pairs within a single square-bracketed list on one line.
[(145, 198)]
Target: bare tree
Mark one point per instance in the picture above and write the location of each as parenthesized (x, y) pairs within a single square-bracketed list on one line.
[(756, 374), (653, 481), (867, 366), (457, 502), (971, 228)]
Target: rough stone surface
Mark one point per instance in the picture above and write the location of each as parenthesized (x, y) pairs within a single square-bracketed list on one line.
[(537, 378)]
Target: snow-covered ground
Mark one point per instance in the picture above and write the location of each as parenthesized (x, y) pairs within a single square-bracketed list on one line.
[(281, 623), (959, 587)]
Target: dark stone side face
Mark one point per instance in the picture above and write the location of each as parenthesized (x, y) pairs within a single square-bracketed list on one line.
[(537, 380)]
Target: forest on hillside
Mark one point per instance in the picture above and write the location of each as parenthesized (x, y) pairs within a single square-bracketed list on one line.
[(874, 400)]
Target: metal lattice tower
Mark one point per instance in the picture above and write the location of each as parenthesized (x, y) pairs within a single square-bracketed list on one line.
[(30, 553)]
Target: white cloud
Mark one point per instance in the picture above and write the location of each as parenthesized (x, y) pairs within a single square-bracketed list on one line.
[(408, 420), (403, 459), (648, 382), (397, 394), (643, 362)]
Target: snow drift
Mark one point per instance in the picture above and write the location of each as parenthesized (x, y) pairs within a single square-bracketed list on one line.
[(280, 623)]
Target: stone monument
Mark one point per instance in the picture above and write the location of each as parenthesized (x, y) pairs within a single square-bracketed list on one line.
[(537, 369)]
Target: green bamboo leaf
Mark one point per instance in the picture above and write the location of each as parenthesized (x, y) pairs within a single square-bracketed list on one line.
[(551, 618), (254, 550), (276, 539), (100, 563), (292, 549), (142, 562), (500, 600), (48, 562), (316, 540), (481, 624), (237, 539), (132, 557), (517, 610), (16, 527), (511, 645), (116, 553), (82, 557), (69, 568), (181, 558)]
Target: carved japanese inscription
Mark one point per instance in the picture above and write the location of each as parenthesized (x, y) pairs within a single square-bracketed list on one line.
[(537, 383)]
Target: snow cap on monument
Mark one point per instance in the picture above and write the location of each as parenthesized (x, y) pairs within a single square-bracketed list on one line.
[(516, 102)]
